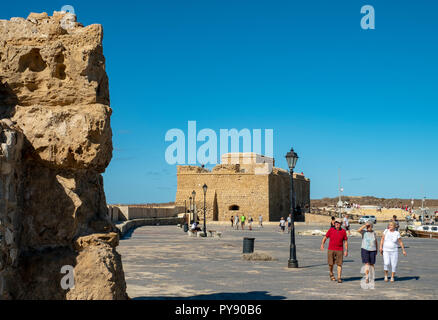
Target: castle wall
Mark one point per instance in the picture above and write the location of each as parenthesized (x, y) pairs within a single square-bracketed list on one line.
[(126, 212), (279, 196), (225, 188), (302, 194)]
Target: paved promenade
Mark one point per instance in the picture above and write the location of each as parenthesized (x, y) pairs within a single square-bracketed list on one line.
[(162, 262)]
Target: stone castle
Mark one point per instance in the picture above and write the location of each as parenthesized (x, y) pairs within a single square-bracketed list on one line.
[(244, 183)]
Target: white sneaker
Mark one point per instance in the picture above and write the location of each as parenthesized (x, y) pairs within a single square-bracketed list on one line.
[(386, 279), (392, 279)]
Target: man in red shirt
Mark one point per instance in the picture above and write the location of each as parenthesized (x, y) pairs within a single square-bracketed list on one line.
[(337, 236)]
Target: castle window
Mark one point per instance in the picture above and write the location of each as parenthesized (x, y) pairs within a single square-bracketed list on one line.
[(234, 207)]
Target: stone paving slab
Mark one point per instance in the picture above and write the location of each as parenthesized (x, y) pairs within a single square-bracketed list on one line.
[(162, 262)]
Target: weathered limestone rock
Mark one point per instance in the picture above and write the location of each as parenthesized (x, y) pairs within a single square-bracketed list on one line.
[(97, 239), (99, 269), (55, 141), (70, 137), (61, 205), (47, 65), (11, 141)]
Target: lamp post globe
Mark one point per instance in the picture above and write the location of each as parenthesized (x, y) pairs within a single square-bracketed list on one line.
[(204, 187), (292, 158)]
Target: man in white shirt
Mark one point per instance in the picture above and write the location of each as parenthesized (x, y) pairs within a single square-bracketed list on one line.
[(289, 223), (195, 227), (347, 224), (282, 224)]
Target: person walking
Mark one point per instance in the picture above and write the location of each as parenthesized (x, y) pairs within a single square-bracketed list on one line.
[(242, 221), (260, 221), (232, 221), (282, 224), (236, 221), (289, 222), (368, 252), (338, 238), (397, 224), (332, 222), (250, 220), (389, 249), (347, 225)]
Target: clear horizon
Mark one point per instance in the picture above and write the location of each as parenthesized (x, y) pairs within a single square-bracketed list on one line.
[(364, 101)]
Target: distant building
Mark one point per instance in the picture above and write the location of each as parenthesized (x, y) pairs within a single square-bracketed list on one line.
[(244, 183)]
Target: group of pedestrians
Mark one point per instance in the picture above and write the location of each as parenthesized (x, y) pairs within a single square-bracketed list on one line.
[(388, 248), (236, 220), (283, 223)]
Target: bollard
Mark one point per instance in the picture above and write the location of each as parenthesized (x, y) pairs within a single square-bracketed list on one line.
[(248, 245)]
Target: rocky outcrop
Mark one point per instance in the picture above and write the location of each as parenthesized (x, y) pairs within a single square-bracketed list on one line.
[(98, 263), (56, 140)]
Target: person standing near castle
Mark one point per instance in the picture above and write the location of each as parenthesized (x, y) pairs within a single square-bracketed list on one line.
[(260, 221), (282, 224), (236, 221), (347, 225), (250, 220), (232, 221), (242, 221), (397, 224), (289, 223)]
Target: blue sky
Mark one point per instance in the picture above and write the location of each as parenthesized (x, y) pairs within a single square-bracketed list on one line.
[(364, 101)]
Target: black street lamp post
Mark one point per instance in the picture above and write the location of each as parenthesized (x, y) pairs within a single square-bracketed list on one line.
[(292, 158), (195, 215), (205, 192), (185, 210), (190, 210)]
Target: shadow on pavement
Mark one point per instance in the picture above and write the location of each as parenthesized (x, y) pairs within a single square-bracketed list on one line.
[(381, 279), (313, 265), (351, 279), (128, 234), (253, 295), (321, 264), (401, 278)]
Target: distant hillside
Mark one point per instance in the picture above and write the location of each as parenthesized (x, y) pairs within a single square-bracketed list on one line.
[(368, 200)]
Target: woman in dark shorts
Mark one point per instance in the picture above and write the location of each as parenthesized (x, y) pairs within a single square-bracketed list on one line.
[(332, 222), (368, 249)]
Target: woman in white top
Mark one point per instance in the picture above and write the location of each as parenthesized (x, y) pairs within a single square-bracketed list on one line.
[(236, 221), (389, 249)]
